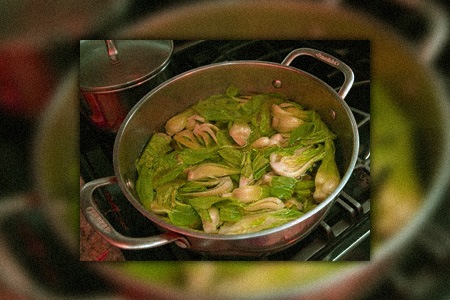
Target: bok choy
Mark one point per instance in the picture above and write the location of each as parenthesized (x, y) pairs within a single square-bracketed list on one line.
[(233, 164)]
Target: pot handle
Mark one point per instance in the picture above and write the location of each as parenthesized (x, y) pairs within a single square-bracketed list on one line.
[(101, 224), (328, 59), (435, 38)]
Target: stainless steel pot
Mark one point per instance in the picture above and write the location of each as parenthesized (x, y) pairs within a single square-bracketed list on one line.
[(421, 96), (115, 75), (176, 95)]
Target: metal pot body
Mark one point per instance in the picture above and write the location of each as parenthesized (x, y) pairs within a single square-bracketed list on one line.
[(107, 110), (177, 94), (113, 77)]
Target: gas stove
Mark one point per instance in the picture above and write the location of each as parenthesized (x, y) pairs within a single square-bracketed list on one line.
[(343, 234)]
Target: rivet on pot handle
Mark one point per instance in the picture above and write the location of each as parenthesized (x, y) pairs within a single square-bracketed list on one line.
[(328, 59), (101, 224)]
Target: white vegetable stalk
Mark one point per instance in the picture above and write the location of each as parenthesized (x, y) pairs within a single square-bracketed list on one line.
[(211, 225), (296, 165), (209, 170), (197, 134), (253, 222), (225, 185), (248, 194), (178, 122), (294, 202), (187, 139), (206, 132), (276, 139), (262, 142), (286, 118), (269, 203), (240, 132), (327, 177), (194, 120)]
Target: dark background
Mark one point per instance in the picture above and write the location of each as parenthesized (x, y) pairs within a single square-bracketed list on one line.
[(28, 77)]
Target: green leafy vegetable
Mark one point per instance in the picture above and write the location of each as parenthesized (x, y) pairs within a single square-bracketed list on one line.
[(269, 203), (260, 221), (178, 122), (185, 215), (158, 145), (312, 132), (220, 186), (230, 211), (232, 156), (195, 156), (303, 189), (298, 163), (219, 108), (204, 202), (327, 177), (232, 91), (250, 193), (282, 187), (234, 164), (210, 170), (144, 187), (240, 132)]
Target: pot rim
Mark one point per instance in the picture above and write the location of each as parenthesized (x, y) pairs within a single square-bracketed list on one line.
[(198, 234), (434, 193)]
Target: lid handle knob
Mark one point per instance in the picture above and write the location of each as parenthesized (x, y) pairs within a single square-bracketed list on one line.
[(112, 51)]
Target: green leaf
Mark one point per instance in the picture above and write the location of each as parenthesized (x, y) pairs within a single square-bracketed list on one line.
[(194, 156), (260, 221), (303, 189), (204, 202), (308, 204), (313, 132), (232, 155), (166, 169), (282, 187), (260, 164), (301, 132), (250, 108), (204, 215), (192, 186), (144, 187), (185, 215), (303, 194), (218, 108), (247, 170), (263, 118), (230, 211), (227, 107), (232, 91), (166, 194), (223, 137), (304, 184), (210, 170), (158, 145)]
